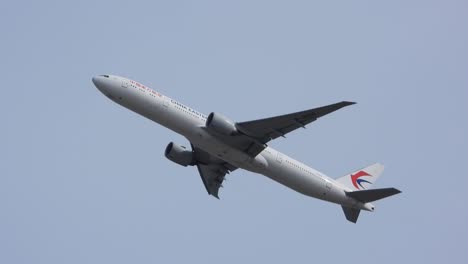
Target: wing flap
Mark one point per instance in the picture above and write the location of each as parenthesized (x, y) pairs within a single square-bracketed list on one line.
[(212, 177), (212, 170)]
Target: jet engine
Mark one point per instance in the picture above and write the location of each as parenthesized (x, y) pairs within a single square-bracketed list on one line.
[(179, 154), (220, 124)]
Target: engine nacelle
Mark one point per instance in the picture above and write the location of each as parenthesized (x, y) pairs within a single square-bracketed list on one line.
[(179, 154), (220, 124)]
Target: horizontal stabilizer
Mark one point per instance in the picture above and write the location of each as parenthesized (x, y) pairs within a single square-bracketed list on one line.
[(367, 196), (351, 214)]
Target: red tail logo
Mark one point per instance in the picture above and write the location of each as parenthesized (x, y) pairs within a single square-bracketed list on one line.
[(356, 181)]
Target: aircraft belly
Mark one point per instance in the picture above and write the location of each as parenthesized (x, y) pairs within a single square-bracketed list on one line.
[(297, 181), (311, 183), (205, 141)]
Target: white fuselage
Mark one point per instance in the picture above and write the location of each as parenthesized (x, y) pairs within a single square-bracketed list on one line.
[(191, 124)]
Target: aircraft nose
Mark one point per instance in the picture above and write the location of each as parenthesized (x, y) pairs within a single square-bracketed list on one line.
[(98, 82), (101, 82)]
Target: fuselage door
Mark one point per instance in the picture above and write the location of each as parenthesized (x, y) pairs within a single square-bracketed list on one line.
[(279, 157), (124, 83), (327, 186), (165, 102)]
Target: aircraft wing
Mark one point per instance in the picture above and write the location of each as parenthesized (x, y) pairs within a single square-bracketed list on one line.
[(252, 140), (212, 170), (264, 130)]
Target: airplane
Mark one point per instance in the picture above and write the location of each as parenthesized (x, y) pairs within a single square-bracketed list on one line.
[(220, 146)]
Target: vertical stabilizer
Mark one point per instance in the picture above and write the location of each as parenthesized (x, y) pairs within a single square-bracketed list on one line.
[(362, 179)]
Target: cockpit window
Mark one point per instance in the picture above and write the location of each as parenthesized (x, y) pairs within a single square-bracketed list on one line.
[(107, 76)]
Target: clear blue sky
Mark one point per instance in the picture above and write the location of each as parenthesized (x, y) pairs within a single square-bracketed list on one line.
[(84, 180)]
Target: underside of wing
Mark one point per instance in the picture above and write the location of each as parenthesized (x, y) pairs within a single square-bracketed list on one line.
[(264, 130), (212, 170), (212, 177)]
